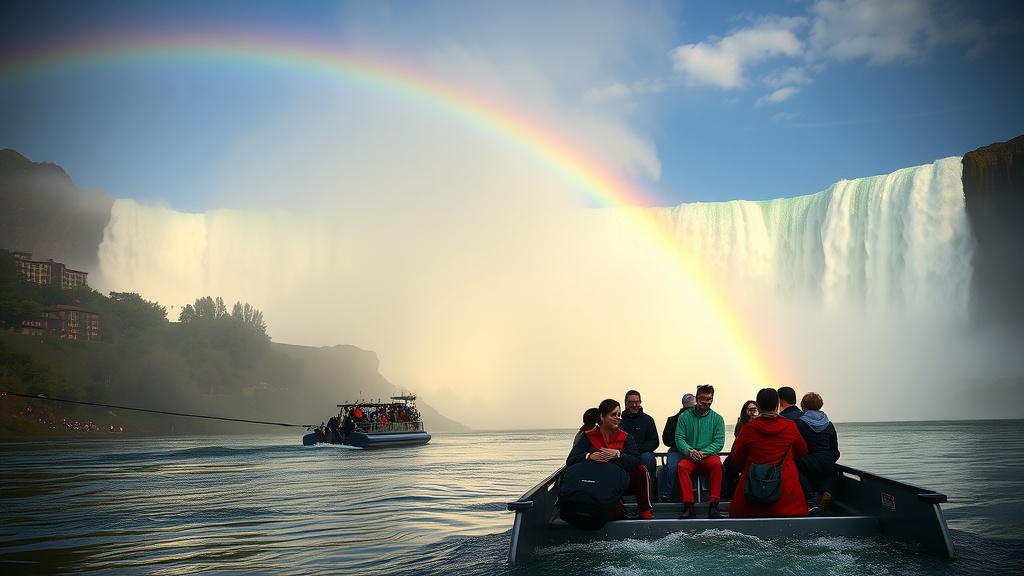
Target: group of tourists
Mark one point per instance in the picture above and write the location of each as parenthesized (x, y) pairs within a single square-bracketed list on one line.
[(771, 431), (380, 413), (352, 417)]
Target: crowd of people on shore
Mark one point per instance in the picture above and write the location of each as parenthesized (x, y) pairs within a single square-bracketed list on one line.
[(61, 424), (771, 430)]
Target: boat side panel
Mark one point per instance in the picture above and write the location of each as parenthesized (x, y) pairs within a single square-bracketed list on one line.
[(901, 514), (766, 528), (532, 524), (866, 505), (361, 440)]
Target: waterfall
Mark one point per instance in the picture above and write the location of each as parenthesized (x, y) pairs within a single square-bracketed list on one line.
[(856, 291), (898, 241)]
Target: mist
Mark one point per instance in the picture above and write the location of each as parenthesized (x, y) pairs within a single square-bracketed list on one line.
[(487, 281), (484, 284)]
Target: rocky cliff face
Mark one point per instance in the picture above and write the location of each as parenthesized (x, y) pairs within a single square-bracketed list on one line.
[(45, 214), (993, 179)]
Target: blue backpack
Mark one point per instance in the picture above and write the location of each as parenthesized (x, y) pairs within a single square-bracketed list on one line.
[(589, 493)]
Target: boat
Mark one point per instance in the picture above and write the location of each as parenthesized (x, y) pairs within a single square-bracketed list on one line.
[(863, 505), (373, 425)]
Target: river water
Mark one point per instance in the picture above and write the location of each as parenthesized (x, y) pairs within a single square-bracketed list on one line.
[(266, 504)]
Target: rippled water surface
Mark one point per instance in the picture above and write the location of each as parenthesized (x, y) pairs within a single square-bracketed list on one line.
[(266, 504)]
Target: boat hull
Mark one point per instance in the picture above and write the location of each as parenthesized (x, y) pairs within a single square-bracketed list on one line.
[(865, 505), (376, 440), (367, 440)]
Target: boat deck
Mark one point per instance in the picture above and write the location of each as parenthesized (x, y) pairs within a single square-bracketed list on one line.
[(666, 521), (864, 505)]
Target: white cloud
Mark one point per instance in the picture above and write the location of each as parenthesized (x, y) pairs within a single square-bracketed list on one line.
[(787, 77), (785, 116), (878, 31), (780, 95), (724, 63), (650, 86), (705, 64), (886, 31), (618, 91)]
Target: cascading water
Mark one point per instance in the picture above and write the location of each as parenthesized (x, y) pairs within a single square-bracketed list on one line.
[(898, 241), (856, 291)]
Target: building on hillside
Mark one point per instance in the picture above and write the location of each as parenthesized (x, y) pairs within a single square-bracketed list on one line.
[(74, 322), (69, 322), (48, 272)]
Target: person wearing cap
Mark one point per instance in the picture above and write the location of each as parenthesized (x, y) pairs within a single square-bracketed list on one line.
[(667, 481)]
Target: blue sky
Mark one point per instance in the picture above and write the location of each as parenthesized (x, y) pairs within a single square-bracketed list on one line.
[(687, 101)]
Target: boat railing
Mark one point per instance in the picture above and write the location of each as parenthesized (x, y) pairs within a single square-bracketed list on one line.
[(701, 486), (534, 512), (864, 504), (390, 427)]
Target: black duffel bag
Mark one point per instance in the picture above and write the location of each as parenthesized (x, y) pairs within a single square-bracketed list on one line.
[(589, 493)]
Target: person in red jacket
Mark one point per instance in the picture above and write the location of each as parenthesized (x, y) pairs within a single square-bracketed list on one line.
[(611, 445), (764, 441)]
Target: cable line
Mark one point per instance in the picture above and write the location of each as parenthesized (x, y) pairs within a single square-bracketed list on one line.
[(42, 397)]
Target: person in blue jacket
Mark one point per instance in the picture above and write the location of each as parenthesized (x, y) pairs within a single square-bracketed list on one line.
[(818, 467)]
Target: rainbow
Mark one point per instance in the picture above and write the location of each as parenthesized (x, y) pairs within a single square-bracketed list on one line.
[(381, 73)]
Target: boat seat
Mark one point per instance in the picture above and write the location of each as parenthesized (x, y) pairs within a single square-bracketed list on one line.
[(700, 483)]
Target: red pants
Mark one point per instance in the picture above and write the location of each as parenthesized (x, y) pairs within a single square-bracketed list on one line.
[(640, 486), (711, 465)]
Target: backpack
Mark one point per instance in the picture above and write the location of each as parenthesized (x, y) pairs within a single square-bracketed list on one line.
[(589, 493), (764, 482)]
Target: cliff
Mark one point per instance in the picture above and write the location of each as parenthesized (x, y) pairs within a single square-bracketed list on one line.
[(993, 178), (45, 214), (337, 374)]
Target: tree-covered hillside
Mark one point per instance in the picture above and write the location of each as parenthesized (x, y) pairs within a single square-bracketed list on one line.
[(211, 362)]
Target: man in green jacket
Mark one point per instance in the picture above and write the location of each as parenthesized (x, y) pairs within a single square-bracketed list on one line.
[(700, 436)]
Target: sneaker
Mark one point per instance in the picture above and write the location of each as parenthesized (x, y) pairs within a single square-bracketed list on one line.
[(688, 511), (646, 515), (825, 501), (664, 499), (713, 511), (620, 511)]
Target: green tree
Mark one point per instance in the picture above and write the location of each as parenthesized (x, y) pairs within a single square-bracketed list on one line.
[(132, 314), (206, 308), (18, 298), (241, 337), (250, 318), (22, 373)]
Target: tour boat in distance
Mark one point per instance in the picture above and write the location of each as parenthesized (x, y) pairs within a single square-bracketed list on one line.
[(373, 425), (863, 505)]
